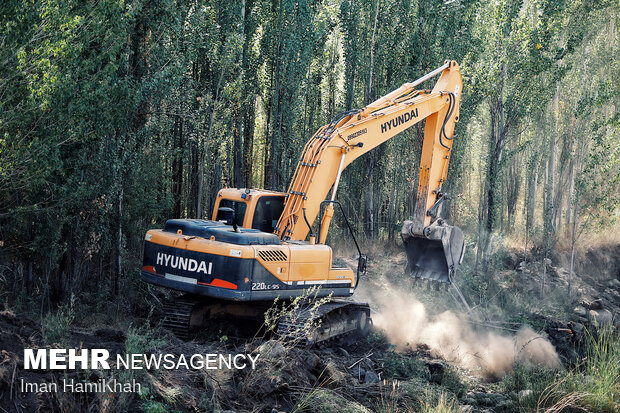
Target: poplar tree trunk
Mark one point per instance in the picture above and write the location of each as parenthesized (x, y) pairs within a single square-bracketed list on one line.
[(369, 211), (239, 111), (496, 148), (206, 147)]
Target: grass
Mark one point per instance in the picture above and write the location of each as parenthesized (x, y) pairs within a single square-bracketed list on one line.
[(142, 339), (444, 404), (327, 401), (598, 379), (55, 326), (593, 386), (453, 382)]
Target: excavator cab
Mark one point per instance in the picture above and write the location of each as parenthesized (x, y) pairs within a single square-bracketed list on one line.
[(250, 208)]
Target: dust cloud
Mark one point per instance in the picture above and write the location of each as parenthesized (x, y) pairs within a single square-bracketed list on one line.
[(406, 322)]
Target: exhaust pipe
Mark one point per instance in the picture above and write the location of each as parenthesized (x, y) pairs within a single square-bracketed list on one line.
[(436, 254)]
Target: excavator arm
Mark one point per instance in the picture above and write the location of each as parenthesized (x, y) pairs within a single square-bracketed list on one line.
[(352, 134)]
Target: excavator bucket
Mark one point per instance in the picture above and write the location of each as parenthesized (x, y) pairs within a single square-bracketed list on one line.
[(436, 254)]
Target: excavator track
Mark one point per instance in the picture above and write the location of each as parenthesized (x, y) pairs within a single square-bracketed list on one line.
[(331, 321), (177, 315), (309, 325)]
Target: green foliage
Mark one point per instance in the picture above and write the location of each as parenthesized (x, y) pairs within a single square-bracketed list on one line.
[(149, 404), (600, 378), (376, 337), (143, 339), (453, 382), (525, 377), (55, 326), (118, 115), (399, 366)]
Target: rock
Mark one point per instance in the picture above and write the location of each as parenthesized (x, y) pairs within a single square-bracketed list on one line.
[(469, 400), (582, 320), (600, 318), (615, 283), (496, 397), (525, 393), (311, 360), (504, 406), (596, 304), (580, 311), (270, 350), (576, 327), (552, 271), (371, 377), (437, 369), (335, 375)]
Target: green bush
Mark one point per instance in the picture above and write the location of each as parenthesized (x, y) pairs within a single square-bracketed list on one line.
[(451, 381), (142, 340), (525, 377), (599, 378), (399, 366), (55, 326)]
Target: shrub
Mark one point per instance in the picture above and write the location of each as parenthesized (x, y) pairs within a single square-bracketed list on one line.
[(142, 340), (55, 326), (451, 381), (599, 378), (398, 366)]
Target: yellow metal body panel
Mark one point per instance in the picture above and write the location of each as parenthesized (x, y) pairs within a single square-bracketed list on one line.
[(298, 263), (198, 244), (310, 262)]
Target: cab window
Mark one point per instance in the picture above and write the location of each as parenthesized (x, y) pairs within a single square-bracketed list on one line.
[(238, 206), (267, 213)]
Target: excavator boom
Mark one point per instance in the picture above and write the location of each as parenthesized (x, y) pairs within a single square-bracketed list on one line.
[(434, 248)]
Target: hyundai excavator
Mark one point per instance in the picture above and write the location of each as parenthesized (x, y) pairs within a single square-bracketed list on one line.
[(260, 245)]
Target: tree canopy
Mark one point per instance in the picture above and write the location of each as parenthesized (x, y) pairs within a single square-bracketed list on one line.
[(116, 115)]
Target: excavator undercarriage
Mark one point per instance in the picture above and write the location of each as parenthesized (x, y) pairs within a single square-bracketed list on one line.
[(306, 325)]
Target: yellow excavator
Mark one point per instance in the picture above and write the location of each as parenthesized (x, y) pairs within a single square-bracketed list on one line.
[(259, 245)]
